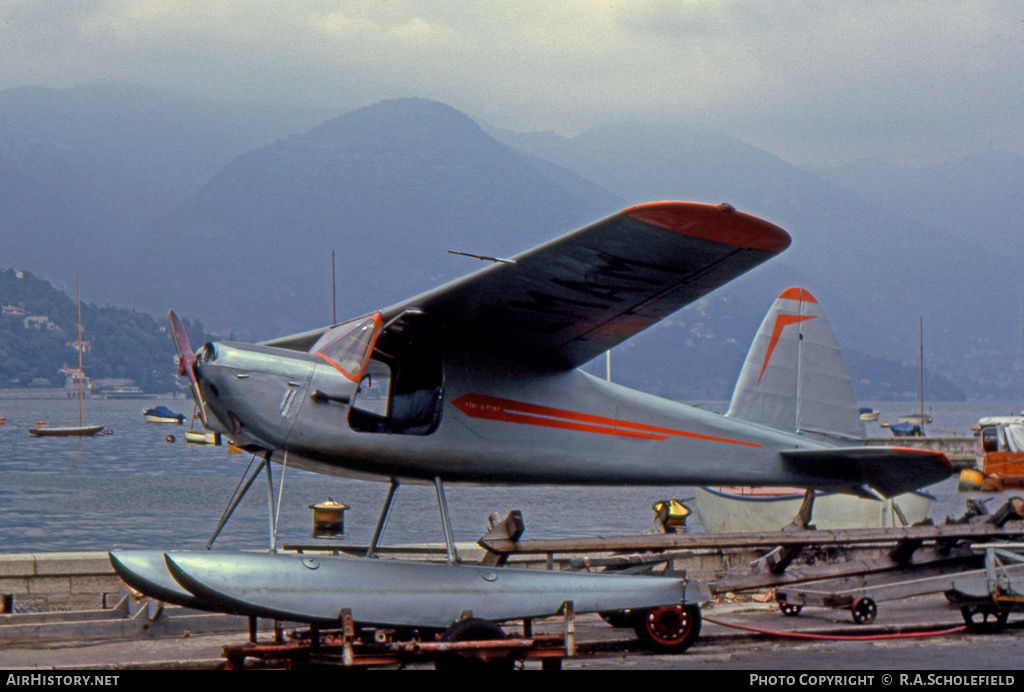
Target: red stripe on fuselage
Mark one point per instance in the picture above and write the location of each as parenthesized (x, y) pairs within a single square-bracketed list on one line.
[(509, 411)]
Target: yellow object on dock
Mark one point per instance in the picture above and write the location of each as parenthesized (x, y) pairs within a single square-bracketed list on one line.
[(970, 480), (671, 514)]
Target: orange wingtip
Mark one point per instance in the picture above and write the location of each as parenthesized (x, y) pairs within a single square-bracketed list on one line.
[(797, 293), (719, 223)]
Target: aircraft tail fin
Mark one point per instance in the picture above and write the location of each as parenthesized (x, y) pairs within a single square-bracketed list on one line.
[(794, 377)]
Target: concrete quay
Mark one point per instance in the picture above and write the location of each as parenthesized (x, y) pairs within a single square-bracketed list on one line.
[(53, 581), (49, 598)]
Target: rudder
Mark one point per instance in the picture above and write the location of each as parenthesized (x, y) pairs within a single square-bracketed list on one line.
[(794, 377)]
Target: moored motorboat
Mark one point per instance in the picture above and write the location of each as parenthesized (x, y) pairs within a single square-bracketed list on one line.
[(162, 414), (868, 414), (905, 429)]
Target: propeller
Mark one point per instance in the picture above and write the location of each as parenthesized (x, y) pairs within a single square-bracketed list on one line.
[(186, 360)]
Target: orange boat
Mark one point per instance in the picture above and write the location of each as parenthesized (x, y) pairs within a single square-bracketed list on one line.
[(999, 446)]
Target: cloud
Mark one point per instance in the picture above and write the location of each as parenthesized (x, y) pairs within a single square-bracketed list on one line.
[(812, 81)]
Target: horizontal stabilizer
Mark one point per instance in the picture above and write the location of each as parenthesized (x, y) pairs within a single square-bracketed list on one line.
[(889, 470)]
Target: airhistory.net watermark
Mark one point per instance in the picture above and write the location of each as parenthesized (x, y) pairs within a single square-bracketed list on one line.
[(57, 680)]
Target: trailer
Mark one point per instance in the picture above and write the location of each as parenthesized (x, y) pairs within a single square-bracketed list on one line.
[(471, 643), (986, 600)]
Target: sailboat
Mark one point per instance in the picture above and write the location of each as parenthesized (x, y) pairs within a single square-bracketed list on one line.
[(70, 429), (912, 425)]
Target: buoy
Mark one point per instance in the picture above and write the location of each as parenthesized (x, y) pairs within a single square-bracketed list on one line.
[(328, 518), (169, 438)]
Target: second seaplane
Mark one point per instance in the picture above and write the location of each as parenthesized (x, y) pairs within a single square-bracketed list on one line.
[(478, 381)]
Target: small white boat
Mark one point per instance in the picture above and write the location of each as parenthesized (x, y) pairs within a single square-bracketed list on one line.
[(738, 510), (199, 437), (868, 414), (915, 418)]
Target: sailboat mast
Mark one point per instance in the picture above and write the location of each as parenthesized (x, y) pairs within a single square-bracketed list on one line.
[(78, 299), (921, 346)]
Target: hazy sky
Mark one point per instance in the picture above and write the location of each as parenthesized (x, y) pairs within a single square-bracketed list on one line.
[(814, 81)]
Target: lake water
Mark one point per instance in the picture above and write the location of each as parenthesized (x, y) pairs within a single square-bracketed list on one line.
[(133, 489)]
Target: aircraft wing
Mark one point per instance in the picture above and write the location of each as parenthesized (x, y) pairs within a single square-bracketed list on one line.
[(888, 470), (565, 302)]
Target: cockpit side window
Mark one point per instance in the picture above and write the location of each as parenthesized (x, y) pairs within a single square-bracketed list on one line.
[(347, 347)]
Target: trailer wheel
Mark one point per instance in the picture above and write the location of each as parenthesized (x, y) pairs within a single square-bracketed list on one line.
[(984, 618), (864, 611), (474, 630), (668, 629)]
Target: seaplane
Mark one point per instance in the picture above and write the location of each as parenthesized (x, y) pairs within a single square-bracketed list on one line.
[(480, 381)]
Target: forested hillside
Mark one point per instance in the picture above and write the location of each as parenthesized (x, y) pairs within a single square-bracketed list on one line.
[(37, 338)]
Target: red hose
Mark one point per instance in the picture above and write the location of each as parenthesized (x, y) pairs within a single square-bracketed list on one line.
[(866, 637)]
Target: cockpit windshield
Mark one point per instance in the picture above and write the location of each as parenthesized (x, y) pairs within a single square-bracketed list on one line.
[(347, 346)]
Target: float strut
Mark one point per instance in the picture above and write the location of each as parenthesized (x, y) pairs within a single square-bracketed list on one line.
[(449, 541), (382, 521), (272, 520)]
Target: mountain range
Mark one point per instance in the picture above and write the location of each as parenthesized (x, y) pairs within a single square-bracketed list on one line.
[(245, 217)]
